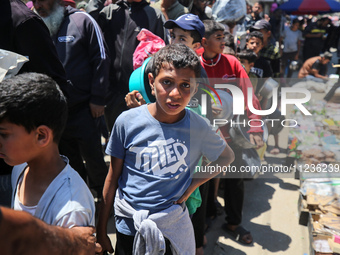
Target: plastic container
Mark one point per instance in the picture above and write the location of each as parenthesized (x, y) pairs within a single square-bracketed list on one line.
[(139, 81)]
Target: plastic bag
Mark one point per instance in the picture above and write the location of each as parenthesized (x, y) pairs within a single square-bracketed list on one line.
[(10, 63), (226, 11), (149, 45)]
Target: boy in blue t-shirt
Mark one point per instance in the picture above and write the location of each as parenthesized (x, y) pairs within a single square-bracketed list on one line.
[(154, 149), (188, 29)]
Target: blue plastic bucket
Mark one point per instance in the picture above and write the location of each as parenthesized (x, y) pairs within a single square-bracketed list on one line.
[(139, 81)]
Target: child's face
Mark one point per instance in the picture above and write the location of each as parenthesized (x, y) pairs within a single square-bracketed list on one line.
[(257, 8), (325, 61), (179, 35), (254, 44), (295, 26), (173, 90), (215, 43), (16, 145), (246, 65)]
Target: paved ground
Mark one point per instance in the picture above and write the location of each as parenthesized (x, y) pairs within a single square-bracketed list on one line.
[(270, 213)]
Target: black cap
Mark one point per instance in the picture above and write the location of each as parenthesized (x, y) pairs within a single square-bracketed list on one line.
[(262, 24)]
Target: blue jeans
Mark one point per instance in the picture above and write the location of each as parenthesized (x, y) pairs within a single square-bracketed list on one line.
[(5, 190), (313, 78)]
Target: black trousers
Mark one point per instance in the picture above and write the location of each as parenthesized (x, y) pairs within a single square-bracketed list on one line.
[(113, 109), (124, 245), (233, 199), (198, 218), (286, 59), (234, 193), (81, 141)]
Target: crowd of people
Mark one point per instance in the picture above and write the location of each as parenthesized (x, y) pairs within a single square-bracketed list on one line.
[(73, 93)]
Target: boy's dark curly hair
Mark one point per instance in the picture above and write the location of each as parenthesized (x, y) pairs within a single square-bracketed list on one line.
[(31, 100), (247, 55), (178, 55), (256, 34), (211, 26)]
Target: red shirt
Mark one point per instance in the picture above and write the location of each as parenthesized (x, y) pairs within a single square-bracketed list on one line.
[(230, 69)]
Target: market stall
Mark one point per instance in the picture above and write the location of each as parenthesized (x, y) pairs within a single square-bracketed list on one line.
[(314, 145)]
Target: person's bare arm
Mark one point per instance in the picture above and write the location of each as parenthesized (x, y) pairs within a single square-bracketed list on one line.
[(23, 234), (109, 192), (97, 110), (225, 159), (256, 139), (317, 75), (298, 51)]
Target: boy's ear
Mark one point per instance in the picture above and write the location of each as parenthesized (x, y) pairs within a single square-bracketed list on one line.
[(204, 42), (152, 83), (44, 135), (251, 65), (196, 46)]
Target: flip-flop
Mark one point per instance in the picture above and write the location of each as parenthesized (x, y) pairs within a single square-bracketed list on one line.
[(275, 151), (237, 234)]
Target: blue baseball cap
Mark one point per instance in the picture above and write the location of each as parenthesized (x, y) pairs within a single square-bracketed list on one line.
[(187, 22)]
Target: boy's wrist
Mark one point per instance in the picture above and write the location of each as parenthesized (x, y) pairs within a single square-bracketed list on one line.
[(196, 182), (101, 228)]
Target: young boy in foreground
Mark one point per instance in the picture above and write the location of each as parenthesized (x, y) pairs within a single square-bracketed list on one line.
[(188, 29), (154, 149), (33, 113)]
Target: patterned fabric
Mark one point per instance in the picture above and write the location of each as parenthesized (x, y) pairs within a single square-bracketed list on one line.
[(272, 54)]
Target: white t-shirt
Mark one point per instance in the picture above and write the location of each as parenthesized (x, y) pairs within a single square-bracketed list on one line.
[(67, 202)]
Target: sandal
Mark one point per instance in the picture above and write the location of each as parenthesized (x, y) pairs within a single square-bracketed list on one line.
[(239, 233), (275, 151)]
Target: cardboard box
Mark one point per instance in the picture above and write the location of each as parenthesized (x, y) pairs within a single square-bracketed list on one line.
[(321, 245)]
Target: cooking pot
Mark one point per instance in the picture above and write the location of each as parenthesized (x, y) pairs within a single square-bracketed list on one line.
[(267, 89), (294, 65), (139, 81), (239, 135)]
